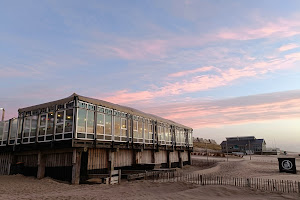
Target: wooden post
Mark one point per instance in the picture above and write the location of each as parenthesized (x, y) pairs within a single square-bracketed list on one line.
[(180, 159), (119, 176), (110, 162), (76, 162), (41, 165)]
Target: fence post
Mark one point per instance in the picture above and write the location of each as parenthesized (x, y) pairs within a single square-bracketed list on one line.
[(299, 187), (201, 180)]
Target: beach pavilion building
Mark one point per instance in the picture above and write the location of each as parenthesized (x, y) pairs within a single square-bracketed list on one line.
[(244, 144), (76, 136)]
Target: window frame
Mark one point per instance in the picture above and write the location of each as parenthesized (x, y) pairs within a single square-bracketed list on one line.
[(31, 135), (86, 107)]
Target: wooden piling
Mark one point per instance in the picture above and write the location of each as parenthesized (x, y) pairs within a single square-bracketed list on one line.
[(76, 162), (41, 165)]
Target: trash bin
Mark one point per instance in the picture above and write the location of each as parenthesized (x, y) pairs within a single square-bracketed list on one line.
[(287, 165)]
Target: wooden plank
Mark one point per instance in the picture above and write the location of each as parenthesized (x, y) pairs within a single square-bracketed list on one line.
[(114, 172)]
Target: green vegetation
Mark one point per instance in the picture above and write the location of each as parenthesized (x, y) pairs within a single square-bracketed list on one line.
[(209, 145)]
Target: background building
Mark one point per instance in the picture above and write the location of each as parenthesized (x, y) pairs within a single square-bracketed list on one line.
[(246, 144)]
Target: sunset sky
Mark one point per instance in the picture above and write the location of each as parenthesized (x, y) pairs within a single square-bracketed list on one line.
[(224, 68)]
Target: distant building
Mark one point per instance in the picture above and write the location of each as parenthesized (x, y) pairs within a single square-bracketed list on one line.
[(247, 144)]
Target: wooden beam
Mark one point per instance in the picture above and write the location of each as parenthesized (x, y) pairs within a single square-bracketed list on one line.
[(76, 162), (48, 151), (41, 165)]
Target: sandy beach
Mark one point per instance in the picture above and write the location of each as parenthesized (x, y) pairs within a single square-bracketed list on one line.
[(20, 187)]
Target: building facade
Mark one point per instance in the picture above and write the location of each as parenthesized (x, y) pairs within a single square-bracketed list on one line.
[(246, 144)]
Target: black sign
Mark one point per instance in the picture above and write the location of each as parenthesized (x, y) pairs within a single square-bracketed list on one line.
[(287, 165)]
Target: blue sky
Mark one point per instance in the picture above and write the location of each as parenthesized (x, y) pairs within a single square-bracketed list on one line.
[(225, 68)]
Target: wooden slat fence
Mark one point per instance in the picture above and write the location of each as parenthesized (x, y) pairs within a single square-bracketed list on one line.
[(272, 185), (5, 160)]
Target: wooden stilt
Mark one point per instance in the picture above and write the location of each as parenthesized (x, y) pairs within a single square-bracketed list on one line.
[(76, 161), (41, 165), (111, 158)]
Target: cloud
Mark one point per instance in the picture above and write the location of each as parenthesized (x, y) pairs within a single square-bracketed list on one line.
[(240, 110), (188, 72), (288, 47), (200, 82), (280, 29), (166, 43), (9, 72)]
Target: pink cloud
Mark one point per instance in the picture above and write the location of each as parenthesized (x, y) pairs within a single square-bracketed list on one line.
[(293, 56), (198, 83), (280, 28), (124, 96), (188, 72), (288, 47), (167, 43), (131, 49), (284, 105)]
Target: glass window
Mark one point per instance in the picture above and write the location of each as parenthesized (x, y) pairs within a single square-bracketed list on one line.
[(14, 129), (129, 128), (42, 128), (33, 126), (81, 120), (150, 136), (90, 121), (20, 124), (59, 128), (27, 127), (69, 121), (117, 125), (135, 129), (140, 127), (166, 134), (123, 126), (50, 123), (5, 134), (1, 129), (59, 122), (146, 131), (107, 124), (100, 124), (159, 132), (60, 117)]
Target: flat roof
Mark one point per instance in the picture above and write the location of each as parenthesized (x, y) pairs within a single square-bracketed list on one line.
[(106, 104)]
